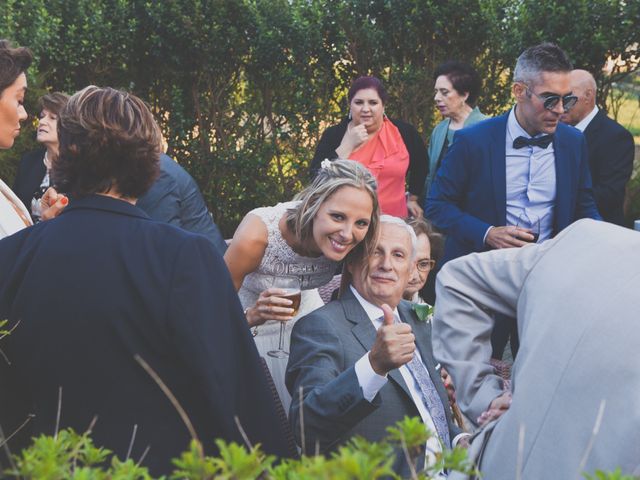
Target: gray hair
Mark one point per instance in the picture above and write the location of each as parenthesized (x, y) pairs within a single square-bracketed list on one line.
[(398, 222), (546, 57)]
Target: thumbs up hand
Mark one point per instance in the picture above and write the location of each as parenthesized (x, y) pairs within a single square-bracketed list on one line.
[(394, 345)]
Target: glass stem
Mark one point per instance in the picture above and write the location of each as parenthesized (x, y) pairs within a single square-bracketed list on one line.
[(281, 341)]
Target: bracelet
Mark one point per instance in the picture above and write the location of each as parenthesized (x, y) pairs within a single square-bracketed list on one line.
[(254, 330)]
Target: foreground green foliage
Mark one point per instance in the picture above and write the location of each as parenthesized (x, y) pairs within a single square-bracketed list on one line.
[(244, 88), (70, 455)]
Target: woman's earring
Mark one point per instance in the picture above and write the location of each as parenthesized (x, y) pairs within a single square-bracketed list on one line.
[(349, 117)]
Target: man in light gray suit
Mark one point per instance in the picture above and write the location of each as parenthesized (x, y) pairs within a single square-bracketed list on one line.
[(364, 361), (576, 382)]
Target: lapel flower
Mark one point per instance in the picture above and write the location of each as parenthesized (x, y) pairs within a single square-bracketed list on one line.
[(423, 311)]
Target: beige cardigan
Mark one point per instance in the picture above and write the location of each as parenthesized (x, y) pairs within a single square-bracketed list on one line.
[(10, 221)]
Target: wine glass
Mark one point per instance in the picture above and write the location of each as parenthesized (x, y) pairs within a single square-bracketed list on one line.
[(530, 223), (291, 285)]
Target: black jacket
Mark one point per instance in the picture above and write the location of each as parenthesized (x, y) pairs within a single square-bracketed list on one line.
[(101, 284), (31, 171), (611, 152)]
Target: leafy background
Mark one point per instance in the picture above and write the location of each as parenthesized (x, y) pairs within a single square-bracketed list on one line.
[(243, 88)]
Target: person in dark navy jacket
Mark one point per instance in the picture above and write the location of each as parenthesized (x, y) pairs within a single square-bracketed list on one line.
[(96, 291)]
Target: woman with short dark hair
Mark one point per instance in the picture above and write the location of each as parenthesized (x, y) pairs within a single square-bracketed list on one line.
[(33, 177), (388, 148), (102, 290), (457, 86)]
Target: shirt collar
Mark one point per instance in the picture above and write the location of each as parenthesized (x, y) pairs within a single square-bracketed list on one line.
[(373, 311), (515, 130), (584, 123)]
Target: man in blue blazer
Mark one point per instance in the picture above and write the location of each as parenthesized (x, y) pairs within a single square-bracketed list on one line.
[(519, 177)]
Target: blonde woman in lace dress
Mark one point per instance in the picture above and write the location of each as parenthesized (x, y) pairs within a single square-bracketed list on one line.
[(305, 238)]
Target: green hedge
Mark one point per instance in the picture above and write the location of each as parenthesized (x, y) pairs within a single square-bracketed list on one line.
[(243, 88)]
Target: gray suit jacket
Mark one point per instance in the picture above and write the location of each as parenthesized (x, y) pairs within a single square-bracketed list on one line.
[(325, 346), (577, 300)]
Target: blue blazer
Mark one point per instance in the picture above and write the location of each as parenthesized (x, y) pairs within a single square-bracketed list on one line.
[(101, 284), (470, 189), (176, 199)]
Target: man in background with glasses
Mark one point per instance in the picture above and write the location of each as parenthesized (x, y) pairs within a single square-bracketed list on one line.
[(509, 178)]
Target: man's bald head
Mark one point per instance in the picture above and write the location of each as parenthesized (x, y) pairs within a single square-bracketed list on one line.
[(584, 86)]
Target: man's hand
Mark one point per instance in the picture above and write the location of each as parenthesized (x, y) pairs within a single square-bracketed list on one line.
[(497, 408), (52, 203), (508, 237), (394, 345)]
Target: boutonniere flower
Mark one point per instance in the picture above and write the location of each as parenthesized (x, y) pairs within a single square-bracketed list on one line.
[(423, 311)]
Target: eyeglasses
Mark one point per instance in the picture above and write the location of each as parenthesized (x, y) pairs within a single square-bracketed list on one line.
[(425, 264), (550, 101)]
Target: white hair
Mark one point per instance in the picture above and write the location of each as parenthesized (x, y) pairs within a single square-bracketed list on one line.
[(391, 220)]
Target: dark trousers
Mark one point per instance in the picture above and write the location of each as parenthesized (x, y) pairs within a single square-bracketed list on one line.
[(505, 329)]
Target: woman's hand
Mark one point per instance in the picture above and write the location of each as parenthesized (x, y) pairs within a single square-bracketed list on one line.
[(352, 139), (52, 203), (413, 207), (270, 306)]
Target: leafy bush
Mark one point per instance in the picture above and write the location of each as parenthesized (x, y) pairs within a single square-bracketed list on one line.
[(243, 89), (69, 455)]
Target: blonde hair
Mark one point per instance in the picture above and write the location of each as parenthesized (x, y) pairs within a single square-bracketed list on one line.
[(330, 178)]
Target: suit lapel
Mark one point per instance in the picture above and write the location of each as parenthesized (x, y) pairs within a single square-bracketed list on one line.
[(365, 333), (498, 156), (563, 182)]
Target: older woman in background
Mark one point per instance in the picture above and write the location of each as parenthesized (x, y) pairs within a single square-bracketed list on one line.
[(119, 294), (388, 148), (429, 249), (456, 91), (33, 178)]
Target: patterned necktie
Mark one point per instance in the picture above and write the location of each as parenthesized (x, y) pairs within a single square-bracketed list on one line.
[(542, 142), (430, 398)]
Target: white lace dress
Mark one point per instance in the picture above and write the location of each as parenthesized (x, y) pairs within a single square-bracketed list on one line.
[(280, 259)]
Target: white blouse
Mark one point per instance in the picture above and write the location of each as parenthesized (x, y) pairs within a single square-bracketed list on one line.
[(10, 220)]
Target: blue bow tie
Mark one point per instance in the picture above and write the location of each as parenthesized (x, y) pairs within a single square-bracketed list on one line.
[(542, 142)]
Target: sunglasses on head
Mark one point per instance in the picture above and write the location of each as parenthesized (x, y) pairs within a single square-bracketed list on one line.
[(550, 101)]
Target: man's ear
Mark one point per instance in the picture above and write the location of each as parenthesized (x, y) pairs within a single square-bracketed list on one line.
[(519, 90)]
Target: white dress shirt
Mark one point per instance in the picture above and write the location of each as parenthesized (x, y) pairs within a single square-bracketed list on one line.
[(371, 382), (531, 181), (584, 123)]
